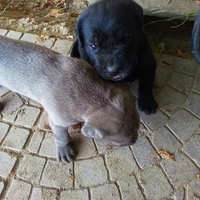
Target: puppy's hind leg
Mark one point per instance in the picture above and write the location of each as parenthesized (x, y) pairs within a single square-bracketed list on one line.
[(64, 151)]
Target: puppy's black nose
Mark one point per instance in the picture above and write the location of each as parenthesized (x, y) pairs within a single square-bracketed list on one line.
[(112, 68)]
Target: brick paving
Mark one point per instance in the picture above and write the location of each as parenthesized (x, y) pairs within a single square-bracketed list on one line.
[(29, 170)]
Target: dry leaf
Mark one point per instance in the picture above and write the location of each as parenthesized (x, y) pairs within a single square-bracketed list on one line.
[(12, 173), (54, 12), (43, 37), (166, 155), (45, 5), (2, 5), (180, 54), (72, 178), (74, 15), (198, 175), (59, 3)]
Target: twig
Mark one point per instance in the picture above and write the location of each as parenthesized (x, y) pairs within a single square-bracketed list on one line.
[(6, 7), (170, 19)]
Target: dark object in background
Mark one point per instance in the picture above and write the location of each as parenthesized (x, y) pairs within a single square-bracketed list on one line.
[(196, 39)]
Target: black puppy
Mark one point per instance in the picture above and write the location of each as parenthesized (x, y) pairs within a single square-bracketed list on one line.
[(111, 38)]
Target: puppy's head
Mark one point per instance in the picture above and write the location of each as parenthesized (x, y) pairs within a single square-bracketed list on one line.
[(108, 34), (117, 122)]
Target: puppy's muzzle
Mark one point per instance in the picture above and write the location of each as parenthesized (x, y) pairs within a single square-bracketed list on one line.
[(112, 68), (131, 141)]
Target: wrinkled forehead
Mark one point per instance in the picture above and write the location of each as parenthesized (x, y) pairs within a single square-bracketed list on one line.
[(110, 24), (104, 18)]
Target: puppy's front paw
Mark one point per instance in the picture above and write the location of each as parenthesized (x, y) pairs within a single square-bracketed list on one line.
[(65, 153), (147, 105)]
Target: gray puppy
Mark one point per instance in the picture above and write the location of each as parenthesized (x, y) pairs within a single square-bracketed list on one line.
[(70, 91)]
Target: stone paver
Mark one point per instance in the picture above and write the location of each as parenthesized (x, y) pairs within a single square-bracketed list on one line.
[(34, 38), (3, 32), (130, 188), (90, 172), (164, 140), (181, 82), (3, 130), (16, 138), (171, 102), (193, 148), (107, 192), (75, 194), (14, 35), (7, 162), (36, 141), (62, 46), (193, 189), (27, 116), (121, 163), (182, 129), (1, 187), (29, 170), (18, 190), (180, 171), (102, 146), (162, 76), (57, 175), (12, 103), (3, 91), (155, 184), (29, 37), (185, 66), (48, 147), (179, 195), (147, 155), (154, 121), (43, 194), (44, 123), (47, 43), (193, 103)]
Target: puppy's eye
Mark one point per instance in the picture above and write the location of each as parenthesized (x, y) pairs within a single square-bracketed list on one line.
[(125, 38), (93, 47)]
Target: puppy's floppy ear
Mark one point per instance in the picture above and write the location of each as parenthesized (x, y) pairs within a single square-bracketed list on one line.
[(138, 12), (79, 30), (90, 131)]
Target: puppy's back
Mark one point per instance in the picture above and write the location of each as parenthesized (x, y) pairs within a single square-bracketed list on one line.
[(26, 67), (36, 71), (51, 78)]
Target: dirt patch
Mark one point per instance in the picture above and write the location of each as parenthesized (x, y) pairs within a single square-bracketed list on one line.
[(164, 38), (35, 16)]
